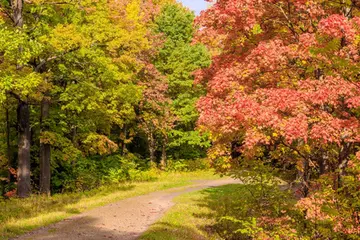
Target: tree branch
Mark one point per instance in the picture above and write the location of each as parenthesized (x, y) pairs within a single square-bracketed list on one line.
[(44, 61)]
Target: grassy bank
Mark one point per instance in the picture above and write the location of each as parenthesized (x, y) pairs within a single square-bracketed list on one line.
[(18, 216), (200, 209), (236, 211)]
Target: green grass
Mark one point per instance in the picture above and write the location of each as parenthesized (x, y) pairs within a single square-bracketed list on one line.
[(18, 216), (194, 214)]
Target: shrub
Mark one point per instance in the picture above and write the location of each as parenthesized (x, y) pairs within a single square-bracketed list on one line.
[(89, 173), (187, 165)]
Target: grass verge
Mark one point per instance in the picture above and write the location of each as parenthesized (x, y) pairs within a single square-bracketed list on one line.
[(194, 214), (18, 216)]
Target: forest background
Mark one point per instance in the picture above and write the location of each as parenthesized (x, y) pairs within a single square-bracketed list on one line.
[(100, 92)]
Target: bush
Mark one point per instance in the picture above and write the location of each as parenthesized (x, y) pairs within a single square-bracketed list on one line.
[(258, 209), (89, 173), (261, 209), (187, 165)]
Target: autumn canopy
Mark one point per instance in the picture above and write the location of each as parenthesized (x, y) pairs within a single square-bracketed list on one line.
[(284, 85)]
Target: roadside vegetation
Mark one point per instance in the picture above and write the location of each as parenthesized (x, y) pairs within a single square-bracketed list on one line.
[(263, 207), (22, 215)]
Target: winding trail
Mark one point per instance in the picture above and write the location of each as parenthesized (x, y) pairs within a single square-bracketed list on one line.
[(124, 220)]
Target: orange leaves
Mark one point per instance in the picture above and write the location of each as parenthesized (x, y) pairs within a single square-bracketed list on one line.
[(10, 194), (13, 172)]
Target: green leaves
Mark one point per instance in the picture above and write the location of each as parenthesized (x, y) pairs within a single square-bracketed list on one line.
[(177, 60), (17, 47), (176, 23)]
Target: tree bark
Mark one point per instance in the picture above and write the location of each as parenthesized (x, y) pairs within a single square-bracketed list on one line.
[(123, 141), (343, 162), (17, 6), (163, 153), (45, 151), (152, 147), (23, 172), (8, 146), (305, 178), (23, 113)]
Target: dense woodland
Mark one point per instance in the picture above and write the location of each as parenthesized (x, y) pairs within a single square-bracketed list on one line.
[(94, 92), (91, 89)]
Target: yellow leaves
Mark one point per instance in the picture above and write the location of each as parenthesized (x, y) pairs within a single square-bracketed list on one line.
[(23, 83), (357, 40), (133, 11), (99, 144), (48, 138), (307, 148), (300, 165), (36, 2), (256, 29), (163, 2), (128, 28), (64, 38)]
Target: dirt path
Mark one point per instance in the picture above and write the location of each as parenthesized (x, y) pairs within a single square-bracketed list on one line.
[(124, 220)]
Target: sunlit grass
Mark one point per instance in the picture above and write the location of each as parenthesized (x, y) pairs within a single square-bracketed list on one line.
[(192, 215), (18, 216)]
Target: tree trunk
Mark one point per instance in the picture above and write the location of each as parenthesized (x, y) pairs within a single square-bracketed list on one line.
[(8, 146), (152, 147), (163, 153), (23, 172), (23, 114), (345, 151), (305, 178), (45, 151), (123, 141), (17, 6)]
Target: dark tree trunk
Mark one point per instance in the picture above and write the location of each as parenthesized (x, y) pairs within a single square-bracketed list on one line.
[(305, 178), (23, 172), (235, 153), (45, 151), (8, 146), (23, 114)]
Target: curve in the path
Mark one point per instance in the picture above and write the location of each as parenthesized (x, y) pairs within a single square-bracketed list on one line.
[(124, 220)]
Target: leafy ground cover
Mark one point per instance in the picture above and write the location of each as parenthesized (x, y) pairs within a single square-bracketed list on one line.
[(22, 215)]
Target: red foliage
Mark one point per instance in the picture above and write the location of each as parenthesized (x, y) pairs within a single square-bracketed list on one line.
[(265, 82), (10, 194), (285, 74)]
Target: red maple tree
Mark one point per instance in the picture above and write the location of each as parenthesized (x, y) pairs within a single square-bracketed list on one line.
[(284, 79)]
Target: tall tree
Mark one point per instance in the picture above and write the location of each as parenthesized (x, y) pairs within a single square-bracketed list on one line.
[(177, 60), (23, 173), (45, 150), (284, 87)]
